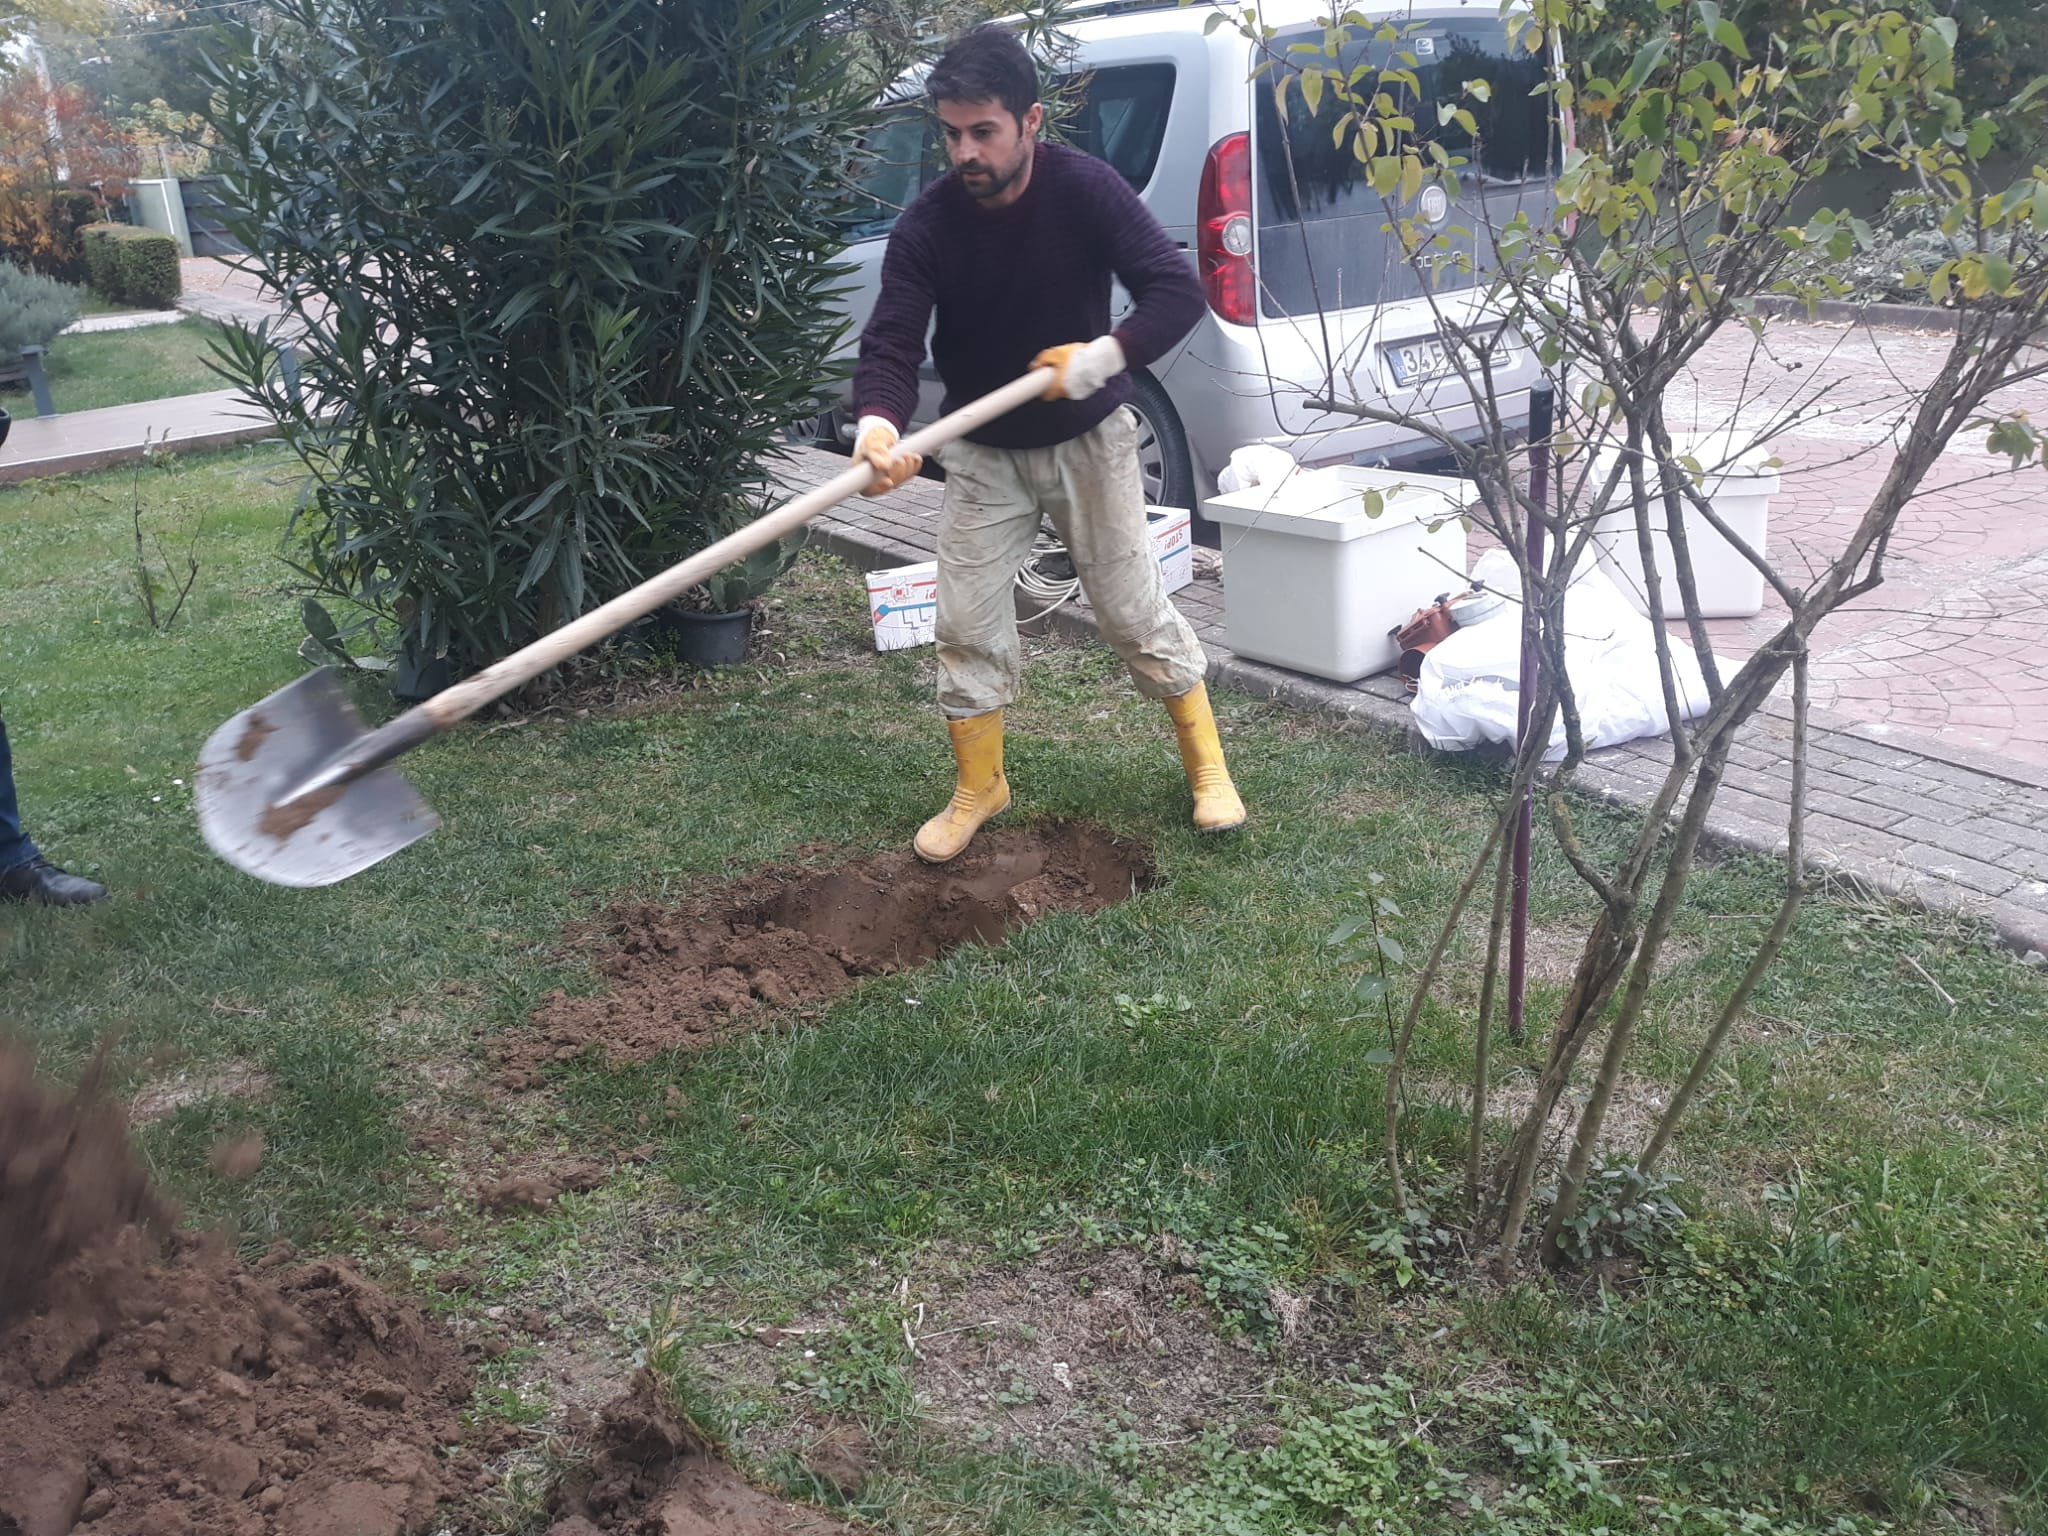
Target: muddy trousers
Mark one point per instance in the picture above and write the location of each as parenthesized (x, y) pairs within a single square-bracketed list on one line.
[(1090, 488)]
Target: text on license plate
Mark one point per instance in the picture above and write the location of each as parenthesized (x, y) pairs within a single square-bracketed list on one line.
[(1428, 359)]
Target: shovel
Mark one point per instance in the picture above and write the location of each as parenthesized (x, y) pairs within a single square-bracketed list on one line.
[(294, 789)]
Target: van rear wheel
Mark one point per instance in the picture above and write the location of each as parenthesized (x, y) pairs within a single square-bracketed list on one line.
[(1163, 461)]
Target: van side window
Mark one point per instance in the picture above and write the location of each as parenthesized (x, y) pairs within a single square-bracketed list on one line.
[(1121, 117), (899, 162)]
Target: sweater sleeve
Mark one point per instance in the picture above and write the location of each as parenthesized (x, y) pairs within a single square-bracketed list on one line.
[(892, 344), (1166, 295)]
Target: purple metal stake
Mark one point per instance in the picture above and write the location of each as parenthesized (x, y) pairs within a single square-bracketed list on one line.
[(1542, 400)]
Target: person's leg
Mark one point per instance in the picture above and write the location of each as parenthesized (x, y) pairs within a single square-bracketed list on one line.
[(1098, 508), (985, 532), (25, 875), (1100, 513), (15, 846)]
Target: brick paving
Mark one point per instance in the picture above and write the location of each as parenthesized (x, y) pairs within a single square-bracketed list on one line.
[(1928, 761)]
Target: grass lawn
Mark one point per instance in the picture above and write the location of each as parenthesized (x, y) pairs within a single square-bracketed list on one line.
[(1085, 1232), (122, 367)]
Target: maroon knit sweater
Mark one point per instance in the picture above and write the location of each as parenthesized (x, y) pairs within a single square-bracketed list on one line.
[(1010, 282)]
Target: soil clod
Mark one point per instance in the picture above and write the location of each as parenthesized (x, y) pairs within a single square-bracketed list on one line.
[(654, 1473)]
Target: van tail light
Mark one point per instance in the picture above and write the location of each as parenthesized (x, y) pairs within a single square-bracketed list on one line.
[(1223, 231)]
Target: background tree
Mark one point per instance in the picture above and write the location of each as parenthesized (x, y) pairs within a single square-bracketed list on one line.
[(59, 162), (1674, 212), (561, 273)]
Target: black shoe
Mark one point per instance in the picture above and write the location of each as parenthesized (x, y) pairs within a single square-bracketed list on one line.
[(43, 883)]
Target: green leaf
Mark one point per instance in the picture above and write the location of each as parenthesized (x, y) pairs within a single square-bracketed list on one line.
[(1370, 988), (1391, 948), (1644, 64), (1727, 35), (1378, 1056), (319, 624)]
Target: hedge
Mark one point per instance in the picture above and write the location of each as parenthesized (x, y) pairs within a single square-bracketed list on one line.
[(132, 266)]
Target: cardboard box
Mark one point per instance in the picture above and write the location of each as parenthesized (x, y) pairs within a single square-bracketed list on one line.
[(1172, 531), (904, 605)]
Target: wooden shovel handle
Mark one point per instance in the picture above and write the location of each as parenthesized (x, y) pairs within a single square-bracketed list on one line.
[(465, 698)]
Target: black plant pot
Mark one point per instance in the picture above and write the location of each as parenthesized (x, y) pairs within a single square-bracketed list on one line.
[(413, 679), (706, 639)]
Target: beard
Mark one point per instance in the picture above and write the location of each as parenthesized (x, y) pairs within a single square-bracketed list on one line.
[(991, 182)]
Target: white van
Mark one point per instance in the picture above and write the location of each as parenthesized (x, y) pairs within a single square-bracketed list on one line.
[(1308, 294)]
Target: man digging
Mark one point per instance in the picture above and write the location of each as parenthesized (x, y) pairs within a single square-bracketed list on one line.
[(1015, 251)]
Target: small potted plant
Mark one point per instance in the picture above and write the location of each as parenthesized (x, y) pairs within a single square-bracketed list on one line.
[(711, 625)]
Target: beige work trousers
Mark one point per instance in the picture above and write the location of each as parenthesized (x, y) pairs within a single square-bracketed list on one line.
[(1091, 489)]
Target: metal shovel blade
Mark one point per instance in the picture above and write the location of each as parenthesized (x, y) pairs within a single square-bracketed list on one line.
[(262, 755)]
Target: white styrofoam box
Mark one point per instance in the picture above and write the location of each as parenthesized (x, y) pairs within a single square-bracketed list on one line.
[(1172, 536), (904, 605), (1313, 583), (1739, 486)]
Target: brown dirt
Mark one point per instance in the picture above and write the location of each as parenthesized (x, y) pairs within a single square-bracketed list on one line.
[(692, 975), (655, 1475), (284, 822), (156, 1387)]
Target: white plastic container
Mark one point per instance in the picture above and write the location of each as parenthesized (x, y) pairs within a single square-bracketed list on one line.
[(1739, 487), (1313, 583)]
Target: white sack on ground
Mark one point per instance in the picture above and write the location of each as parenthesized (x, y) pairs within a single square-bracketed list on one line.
[(1259, 464), (1468, 690)]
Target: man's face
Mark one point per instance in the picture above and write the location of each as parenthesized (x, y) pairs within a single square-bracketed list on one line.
[(989, 148)]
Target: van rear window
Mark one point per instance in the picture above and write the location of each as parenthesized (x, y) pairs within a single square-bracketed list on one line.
[(1121, 117), (1319, 220)]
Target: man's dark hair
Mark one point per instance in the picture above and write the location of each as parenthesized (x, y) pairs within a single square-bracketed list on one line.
[(986, 64)]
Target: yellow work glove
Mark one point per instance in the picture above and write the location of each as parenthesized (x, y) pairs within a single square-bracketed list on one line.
[(1081, 367), (876, 442)]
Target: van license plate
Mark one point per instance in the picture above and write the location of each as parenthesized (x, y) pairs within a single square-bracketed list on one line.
[(1426, 360), (1419, 362)]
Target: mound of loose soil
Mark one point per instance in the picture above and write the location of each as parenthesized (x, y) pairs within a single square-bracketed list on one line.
[(157, 1387), (654, 1475), (692, 975)]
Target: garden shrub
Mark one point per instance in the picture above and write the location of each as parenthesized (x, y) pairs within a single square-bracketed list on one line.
[(128, 265), (563, 272), (33, 309)]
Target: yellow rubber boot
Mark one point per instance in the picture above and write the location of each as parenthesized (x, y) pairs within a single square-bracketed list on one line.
[(980, 792), (1217, 806)]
